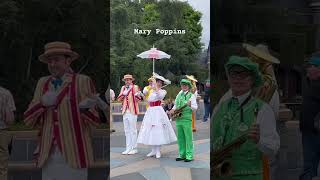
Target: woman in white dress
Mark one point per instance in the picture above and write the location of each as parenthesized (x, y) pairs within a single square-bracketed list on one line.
[(156, 128)]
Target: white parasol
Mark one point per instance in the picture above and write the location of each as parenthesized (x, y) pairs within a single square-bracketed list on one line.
[(153, 54)]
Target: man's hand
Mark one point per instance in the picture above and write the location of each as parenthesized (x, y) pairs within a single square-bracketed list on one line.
[(171, 111), (138, 93), (254, 133), (125, 92), (49, 99), (189, 103), (88, 103)]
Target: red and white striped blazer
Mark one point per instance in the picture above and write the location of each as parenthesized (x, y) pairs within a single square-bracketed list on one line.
[(130, 101)]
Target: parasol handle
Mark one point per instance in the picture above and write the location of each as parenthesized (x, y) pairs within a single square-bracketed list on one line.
[(152, 64), (164, 86)]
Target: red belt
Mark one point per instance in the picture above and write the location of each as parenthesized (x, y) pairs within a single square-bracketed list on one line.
[(155, 103)]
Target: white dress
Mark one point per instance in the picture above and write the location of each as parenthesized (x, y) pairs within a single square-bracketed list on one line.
[(156, 128)]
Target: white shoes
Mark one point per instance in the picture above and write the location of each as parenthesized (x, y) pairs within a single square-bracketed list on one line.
[(126, 151), (133, 151), (158, 155), (155, 151), (152, 153)]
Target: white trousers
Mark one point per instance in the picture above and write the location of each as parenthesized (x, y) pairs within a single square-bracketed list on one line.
[(56, 168), (130, 130)]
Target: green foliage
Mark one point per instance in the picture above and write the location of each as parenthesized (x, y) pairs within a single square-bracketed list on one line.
[(172, 91), (26, 26), (125, 45), (150, 14)]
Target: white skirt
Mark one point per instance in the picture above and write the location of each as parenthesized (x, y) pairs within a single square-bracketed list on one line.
[(156, 128)]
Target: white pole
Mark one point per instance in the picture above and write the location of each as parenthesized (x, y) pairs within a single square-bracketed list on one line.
[(153, 60), (153, 64)]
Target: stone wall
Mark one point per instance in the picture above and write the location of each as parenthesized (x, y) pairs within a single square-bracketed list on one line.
[(21, 166)]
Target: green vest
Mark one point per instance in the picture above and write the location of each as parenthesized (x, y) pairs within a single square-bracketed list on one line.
[(247, 159), (181, 100)]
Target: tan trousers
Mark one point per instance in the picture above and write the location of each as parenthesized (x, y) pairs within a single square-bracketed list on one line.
[(5, 139)]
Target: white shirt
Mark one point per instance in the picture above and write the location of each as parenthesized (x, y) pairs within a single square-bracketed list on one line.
[(269, 142), (157, 96), (193, 99), (196, 94), (110, 95)]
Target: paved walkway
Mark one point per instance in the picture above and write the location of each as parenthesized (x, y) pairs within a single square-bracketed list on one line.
[(140, 167)]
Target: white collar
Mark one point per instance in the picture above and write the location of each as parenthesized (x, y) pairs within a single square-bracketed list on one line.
[(243, 97), (185, 92)]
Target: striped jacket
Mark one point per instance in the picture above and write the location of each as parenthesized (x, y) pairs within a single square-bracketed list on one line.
[(63, 124), (130, 101)]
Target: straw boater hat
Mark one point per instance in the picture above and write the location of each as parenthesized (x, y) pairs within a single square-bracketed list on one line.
[(191, 78), (261, 51), (127, 76), (58, 48)]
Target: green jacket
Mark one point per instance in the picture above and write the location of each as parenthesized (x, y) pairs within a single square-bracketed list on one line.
[(181, 100), (247, 159)]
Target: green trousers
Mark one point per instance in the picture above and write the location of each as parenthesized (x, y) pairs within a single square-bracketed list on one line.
[(185, 140)]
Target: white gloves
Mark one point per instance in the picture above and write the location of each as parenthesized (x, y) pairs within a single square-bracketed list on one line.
[(125, 92), (87, 103), (49, 99), (92, 101), (139, 93)]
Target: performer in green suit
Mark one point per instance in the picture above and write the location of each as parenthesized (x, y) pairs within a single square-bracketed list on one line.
[(243, 113), (183, 123)]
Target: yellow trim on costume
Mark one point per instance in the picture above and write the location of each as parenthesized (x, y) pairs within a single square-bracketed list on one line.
[(149, 89)]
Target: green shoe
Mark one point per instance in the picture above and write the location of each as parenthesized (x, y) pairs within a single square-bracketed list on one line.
[(188, 160)]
